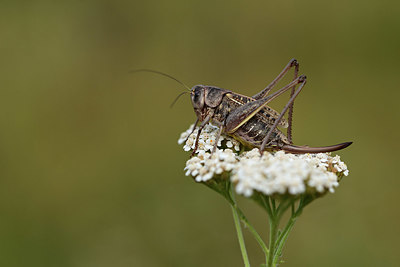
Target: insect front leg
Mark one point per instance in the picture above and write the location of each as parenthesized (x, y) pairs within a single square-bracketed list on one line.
[(194, 127), (202, 125), (302, 80)]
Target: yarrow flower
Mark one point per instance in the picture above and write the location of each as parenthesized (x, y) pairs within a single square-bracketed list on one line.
[(206, 139), (271, 173), (277, 181), (204, 166)]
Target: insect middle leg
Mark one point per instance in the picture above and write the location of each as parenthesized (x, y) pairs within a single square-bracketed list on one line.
[(217, 139)]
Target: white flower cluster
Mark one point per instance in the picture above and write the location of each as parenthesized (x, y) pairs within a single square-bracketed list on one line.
[(272, 173), (280, 172), (206, 139), (204, 166)]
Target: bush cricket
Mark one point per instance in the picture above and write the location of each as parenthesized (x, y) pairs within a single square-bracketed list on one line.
[(249, 119)]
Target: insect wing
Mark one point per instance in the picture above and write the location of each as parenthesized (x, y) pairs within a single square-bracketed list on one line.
[(266, 112)]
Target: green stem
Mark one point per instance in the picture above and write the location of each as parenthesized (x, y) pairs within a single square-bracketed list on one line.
[(277, 238), (287, 228), (225, 190), (273, 229), (267, 206), (282, 238), (283, 206), (251, 229), (273, 204), (240, 237)]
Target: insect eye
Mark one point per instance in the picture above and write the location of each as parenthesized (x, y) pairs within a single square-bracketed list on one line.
[(197, 95)]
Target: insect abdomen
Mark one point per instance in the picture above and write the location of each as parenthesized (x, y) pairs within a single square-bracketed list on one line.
[(254, 132)]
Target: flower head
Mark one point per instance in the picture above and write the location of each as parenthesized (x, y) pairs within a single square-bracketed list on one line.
[(269, 174)]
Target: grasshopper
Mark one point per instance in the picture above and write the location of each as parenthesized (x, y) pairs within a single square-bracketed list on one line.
[(249, 119)]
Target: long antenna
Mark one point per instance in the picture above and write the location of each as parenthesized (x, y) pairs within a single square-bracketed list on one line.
[(161, 73), (176, 99)]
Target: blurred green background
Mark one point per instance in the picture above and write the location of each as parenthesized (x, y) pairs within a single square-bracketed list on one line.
[(91, 173)]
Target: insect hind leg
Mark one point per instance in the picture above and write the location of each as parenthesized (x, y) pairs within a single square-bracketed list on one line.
[(292, 63), (302, 80), (290, 113)]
